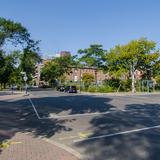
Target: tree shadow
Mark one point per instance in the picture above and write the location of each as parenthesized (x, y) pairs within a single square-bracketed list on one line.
[(144, 145), (71, 104), (18, 115)]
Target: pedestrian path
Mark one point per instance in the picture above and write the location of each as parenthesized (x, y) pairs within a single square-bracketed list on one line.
[(26, 147)]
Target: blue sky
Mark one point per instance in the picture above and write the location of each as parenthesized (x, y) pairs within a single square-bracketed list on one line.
[(74, 24)]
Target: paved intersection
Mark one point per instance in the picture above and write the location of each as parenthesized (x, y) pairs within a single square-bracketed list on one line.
[(98, 126), (112, 127)]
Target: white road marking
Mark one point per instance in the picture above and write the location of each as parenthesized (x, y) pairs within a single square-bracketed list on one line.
[(113, 110), (72, 115), (80, 115), (117, 134), (34, 108)]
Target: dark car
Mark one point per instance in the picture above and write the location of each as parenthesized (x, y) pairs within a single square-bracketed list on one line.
[(71, 89), (61, 88)]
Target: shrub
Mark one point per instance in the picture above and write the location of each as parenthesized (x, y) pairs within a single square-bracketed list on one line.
[(101, 89), (92, 89), (87, 79), (114, 83), (105, 89), (157, 78), (126, 85)]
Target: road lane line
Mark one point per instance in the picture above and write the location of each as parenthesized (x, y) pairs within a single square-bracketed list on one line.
[(117, 134), (34, 108), (81, 114)]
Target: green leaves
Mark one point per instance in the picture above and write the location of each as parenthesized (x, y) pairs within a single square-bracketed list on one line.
[(87, 78), (141, 53), (12, 31), (17, 34), (93, 56), (9, 66), (56, 68)]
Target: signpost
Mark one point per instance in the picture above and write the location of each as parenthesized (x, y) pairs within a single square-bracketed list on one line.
[(25, 79)]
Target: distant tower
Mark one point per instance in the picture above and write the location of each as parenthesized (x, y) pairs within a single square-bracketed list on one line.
[(65, 53)]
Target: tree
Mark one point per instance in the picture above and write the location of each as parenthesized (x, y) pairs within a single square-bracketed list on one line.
[(136, 55), (15, 33), (28, 60), (56, 68), (9, 65), (94, 56), (87, 79), (48, 72)]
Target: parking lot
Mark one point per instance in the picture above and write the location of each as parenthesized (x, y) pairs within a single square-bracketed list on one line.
[(117, 127)]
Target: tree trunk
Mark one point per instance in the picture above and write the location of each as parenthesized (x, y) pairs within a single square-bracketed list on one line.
[(133, 78), (4, 85)]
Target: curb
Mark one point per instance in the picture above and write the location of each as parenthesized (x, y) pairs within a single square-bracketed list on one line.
[(120, 94)]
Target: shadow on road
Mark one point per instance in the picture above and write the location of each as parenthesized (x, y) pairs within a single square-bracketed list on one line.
[(18, 115), (143, 145), (71, 104)]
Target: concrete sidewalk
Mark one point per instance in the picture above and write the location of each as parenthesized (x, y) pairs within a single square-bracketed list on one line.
[(26, 147)]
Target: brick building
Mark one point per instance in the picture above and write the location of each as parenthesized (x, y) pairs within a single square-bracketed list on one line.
[(38, 69), (76, 74)]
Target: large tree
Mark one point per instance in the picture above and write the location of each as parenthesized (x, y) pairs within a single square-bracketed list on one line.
[(94, 56), (28, 60), (16, 34), (56, 68), (138, 54), (9, 66)]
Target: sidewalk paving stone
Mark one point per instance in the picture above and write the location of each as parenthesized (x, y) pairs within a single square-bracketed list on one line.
[(26, 147)]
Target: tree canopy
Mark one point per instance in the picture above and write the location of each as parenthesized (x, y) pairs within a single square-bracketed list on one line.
[(94, 56), (56, 68), (138, 54), (16, 34)]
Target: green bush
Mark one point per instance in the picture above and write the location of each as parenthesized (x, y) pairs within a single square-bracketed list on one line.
[(114, 83), (126, 85), (101, 89), (92, 89), (105, 89)]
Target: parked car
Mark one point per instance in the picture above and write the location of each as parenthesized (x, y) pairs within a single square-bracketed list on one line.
[(71, 89), (61, 88)]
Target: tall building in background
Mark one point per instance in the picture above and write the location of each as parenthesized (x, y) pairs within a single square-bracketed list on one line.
[(38, 69), (74, 75), (39, 66), (64, 53)]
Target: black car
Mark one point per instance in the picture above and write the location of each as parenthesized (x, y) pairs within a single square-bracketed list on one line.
[(71, 89), (61, 88)]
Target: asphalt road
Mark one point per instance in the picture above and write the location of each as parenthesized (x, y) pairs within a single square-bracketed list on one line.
[(100, 127), (103, 127)]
